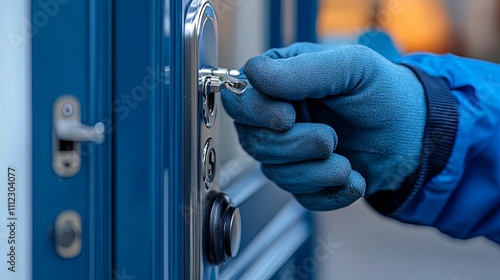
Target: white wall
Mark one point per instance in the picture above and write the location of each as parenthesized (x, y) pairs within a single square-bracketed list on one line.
[(15, 132), (243, 25)]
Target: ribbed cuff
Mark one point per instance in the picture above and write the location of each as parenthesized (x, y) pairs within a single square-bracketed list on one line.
[(439, 138)]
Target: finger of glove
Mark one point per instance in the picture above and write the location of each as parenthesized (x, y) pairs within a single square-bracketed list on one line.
[(296, 49), (304, 141), (314, 74), (309, 176), (333, 198), (256, 109)]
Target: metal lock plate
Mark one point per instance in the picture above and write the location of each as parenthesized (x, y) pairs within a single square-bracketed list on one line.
[(68, 133), (201, 124), (203, 85)]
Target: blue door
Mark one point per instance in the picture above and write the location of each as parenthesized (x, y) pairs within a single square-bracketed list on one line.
[(72, 139), (182, 209)]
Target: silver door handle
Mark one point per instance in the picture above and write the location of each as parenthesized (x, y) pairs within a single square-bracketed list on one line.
[(70, 130), (69, 133)]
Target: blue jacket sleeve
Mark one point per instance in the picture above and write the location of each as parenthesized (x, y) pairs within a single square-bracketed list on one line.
[(457, 186)]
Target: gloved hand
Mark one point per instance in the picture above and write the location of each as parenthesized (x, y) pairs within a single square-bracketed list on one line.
[(314, 113)]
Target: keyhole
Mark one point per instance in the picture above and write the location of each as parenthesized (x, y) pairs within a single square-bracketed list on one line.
[(211, 165), (211, 102)]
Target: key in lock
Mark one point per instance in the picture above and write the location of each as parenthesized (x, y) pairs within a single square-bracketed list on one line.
[(212, 81)]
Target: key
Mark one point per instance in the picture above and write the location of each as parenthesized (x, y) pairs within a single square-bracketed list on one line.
[(222, 76)]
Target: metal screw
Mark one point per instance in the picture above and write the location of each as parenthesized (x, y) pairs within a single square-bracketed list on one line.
[(67, 109)]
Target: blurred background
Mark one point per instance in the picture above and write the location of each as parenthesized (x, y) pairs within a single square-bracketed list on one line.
[(369, 246), (464, 27)]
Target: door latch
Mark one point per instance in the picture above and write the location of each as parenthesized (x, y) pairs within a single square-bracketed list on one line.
[(69, 133), (211, 82)]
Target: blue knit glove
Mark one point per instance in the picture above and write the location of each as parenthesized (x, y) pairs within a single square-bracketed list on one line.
[(314, 113)]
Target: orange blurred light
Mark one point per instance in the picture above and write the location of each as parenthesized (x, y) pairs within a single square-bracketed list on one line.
[(416, 25)]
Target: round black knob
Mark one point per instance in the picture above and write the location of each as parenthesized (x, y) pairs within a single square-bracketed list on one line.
[(224, 230), (67, 236)]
